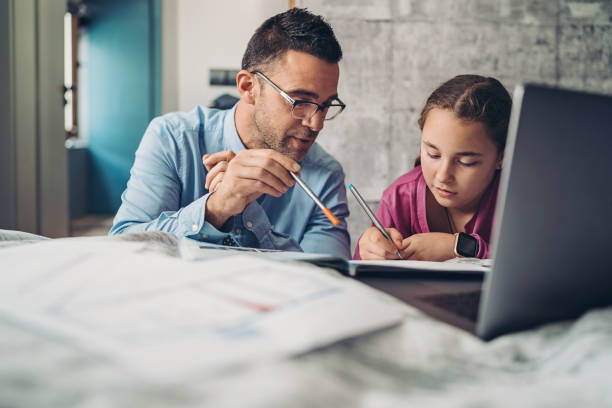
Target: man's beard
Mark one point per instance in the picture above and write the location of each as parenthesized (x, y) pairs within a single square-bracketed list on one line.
[(268, 139)]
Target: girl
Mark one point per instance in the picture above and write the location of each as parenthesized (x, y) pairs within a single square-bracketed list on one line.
[(444, 207)]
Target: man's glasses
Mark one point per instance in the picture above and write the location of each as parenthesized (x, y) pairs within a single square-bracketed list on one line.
[(306, 109)]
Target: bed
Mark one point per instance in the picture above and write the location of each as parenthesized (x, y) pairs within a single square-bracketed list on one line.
[(418, 362)]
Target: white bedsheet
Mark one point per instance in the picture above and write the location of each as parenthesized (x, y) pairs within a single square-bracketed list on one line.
[(420, 363)]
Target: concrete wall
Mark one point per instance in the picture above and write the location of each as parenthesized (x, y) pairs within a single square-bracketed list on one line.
[(397, 51)]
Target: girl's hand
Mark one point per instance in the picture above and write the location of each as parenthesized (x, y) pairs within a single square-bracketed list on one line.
[(374, 246), (429, 246)]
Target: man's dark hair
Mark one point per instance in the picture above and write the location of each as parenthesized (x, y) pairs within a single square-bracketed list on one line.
[(295, 29)]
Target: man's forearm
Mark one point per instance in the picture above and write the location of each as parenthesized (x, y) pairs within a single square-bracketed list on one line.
[(214, 212)]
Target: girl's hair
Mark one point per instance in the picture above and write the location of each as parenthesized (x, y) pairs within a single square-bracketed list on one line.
[(473, 98)]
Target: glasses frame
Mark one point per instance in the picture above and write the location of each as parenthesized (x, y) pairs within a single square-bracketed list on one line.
[(296, 102)]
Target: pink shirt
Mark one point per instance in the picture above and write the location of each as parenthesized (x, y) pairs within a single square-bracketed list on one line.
[(403, 207)]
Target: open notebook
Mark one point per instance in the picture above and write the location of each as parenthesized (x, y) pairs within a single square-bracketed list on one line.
[(196, 250)]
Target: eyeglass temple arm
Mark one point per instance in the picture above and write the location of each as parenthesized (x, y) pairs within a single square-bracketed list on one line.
[(290, 99), (273, 85)]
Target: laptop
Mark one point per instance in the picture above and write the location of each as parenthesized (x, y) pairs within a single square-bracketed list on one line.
[(552, 236)]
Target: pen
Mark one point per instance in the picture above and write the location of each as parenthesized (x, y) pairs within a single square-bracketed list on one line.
[(332, 218), (370, 214)]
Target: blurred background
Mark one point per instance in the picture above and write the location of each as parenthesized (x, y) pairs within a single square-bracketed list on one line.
[(81, 79)]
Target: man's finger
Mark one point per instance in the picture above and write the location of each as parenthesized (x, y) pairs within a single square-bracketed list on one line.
[(287, 162), (257, 187), (271, 166), (256, 177), (245, 181), (216, 181), (261, 168), (220, 167), (210, 160)]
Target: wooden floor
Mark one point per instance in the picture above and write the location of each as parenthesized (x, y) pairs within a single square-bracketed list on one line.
[(91, 225)]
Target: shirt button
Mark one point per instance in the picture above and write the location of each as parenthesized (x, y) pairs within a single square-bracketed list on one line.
[(238, 231), (194, 227), (249, 224), (204, 236)]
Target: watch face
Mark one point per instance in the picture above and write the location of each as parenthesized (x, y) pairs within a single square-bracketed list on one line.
[(467, 245)]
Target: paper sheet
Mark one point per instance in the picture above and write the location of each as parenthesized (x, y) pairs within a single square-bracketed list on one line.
[(167, 317), (196, 250), (459, 266)]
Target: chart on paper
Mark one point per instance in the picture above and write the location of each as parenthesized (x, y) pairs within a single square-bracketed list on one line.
[(164, 316), (227, 306)]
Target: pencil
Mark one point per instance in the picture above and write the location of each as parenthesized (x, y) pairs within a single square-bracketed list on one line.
[(330, 216), (370, 214)]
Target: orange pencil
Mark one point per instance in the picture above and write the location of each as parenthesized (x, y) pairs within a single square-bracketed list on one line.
[(332, 218)]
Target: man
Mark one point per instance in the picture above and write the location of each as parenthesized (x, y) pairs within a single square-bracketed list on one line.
[(223, 176)]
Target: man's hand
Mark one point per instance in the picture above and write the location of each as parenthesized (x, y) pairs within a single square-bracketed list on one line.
[(244, 178), (429, 246), (216, 164), (373, 245)]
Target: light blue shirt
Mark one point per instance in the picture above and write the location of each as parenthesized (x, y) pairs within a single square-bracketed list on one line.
[(166, 191)]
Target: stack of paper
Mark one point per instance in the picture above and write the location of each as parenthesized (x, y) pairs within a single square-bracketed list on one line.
[(166, 316)]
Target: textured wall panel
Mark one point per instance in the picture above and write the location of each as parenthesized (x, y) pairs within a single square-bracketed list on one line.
[(397, 51)]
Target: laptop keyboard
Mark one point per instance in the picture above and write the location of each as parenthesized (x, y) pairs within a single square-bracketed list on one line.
[(464, 304)]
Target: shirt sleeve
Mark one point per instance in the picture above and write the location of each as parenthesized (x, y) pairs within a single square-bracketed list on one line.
[(252, 228), (483, 247), (321, 236), (151, 201)]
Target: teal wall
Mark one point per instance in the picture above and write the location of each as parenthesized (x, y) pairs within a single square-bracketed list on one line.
[(124, 91)]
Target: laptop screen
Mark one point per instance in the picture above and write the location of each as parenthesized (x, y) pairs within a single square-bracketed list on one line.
[(551, 238)]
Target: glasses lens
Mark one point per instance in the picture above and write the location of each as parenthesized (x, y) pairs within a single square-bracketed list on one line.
[(306, 110), (303, 110), (332, 112)]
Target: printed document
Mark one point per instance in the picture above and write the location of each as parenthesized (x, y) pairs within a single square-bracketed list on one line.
[(168, 317)]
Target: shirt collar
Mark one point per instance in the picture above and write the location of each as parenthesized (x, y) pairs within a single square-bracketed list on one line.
[(231, 140)]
